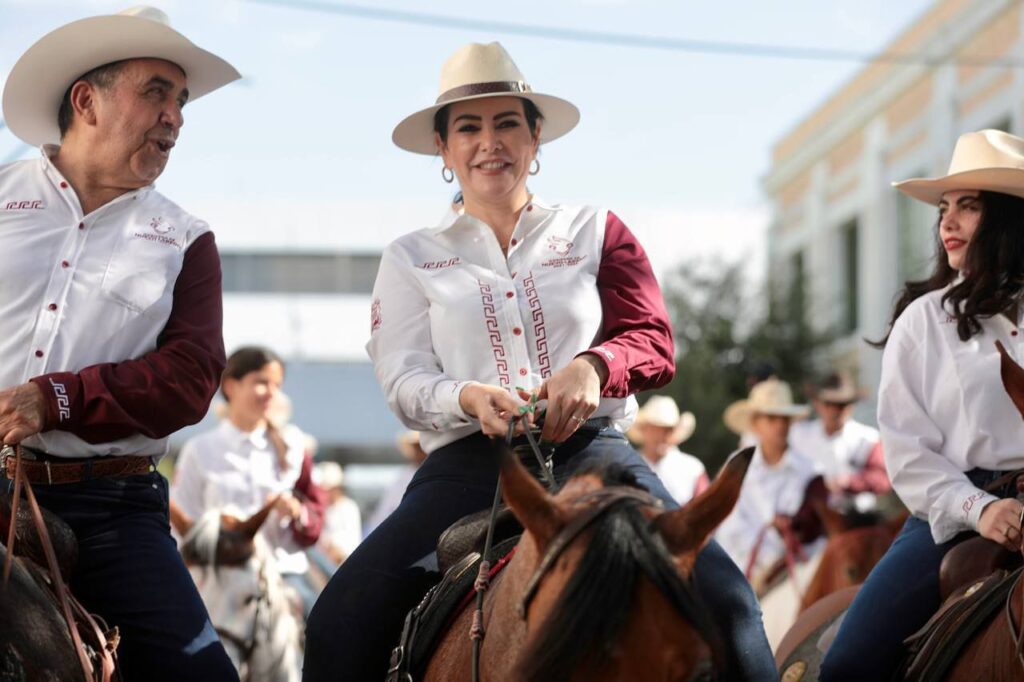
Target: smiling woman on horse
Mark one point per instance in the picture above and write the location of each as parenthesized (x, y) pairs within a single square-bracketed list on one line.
[(507, 290), (948, 426)]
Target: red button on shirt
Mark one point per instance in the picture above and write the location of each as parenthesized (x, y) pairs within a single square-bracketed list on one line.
[(64, 264), (514, 242), (63, 185), (522, 371), (517, 331), (530, 207), (39, 353), (509, 294), (1013, 333), (52, 306), (81, 226)]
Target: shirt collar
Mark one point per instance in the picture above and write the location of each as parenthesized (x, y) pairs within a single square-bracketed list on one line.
[(48, 151), (257, 437), (455, 215), (785, 463)]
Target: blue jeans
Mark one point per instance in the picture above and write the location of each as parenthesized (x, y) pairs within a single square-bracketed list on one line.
[(899, 596), (358, 617), (130, 573)]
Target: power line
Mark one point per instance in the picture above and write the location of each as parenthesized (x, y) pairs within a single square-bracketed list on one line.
[(636, 41)]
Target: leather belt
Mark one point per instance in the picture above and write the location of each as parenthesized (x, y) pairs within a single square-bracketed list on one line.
[(49, 472)]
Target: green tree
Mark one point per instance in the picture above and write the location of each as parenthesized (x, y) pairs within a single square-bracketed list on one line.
[(726, 331)]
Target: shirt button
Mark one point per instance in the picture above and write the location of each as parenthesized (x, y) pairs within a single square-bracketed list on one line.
[(52, 306), (514, 242), (63, 185), (530, 207), (1013, 333), (517, 331), (522, 371), (509, 294), (39, 353), (64, 264), (81, 226)]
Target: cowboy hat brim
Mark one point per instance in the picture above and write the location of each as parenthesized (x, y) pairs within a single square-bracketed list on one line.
[(737, 416), (681, 432), (416, 132), (930, 190), (39, 79)]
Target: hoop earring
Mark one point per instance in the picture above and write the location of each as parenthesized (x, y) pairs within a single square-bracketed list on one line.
[(536, 161), (448, 174)]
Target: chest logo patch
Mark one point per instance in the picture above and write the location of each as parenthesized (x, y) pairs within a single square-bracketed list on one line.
[(560, 245)]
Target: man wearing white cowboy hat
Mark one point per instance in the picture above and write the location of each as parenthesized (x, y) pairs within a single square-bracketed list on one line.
[(659, 429), (846, 451), (111, 298), (777, 486)]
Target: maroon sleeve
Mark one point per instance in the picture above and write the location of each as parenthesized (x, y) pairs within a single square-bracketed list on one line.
[(314, 502), (636, 338), (165, 389)]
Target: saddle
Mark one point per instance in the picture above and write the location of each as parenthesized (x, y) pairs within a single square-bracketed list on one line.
[(442, 603)]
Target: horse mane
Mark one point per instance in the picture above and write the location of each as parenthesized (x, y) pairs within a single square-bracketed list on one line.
[(200, 543), (581, 632)]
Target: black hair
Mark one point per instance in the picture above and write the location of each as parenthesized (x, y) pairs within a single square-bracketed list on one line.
[(530, 112), (102, 77), (993, 269)]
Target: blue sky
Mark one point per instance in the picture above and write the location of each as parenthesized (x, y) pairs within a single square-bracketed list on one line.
[(299, 154)]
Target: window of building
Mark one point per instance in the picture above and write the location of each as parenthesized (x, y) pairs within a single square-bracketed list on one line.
[(850, 259), (915, 225), (299, 273)]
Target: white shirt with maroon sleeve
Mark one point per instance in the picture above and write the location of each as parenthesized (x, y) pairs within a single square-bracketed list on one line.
[(449, 308), (114, 315)]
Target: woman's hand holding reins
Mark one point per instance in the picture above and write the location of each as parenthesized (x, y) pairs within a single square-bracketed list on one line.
[(493, 407), (1001, 522), (573, 394)]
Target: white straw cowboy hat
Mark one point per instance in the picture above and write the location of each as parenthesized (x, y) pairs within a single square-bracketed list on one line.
[(661, 410), (986, 160), (478, 71), (38, 81), (328, 475), (771, 397)]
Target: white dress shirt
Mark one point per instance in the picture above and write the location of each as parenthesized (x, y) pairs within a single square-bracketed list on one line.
[(680, 473), (767, 492), (236, 471), (343, 526), (942, 411), (79, 290), (450, 308), (842, 454)]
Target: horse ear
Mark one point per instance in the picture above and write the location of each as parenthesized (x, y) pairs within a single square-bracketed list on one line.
[(687, 529), (1013, 378), (529, 501), (252, 525), (179, 519)]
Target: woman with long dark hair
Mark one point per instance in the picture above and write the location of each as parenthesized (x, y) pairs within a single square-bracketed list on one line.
[(948, 427)]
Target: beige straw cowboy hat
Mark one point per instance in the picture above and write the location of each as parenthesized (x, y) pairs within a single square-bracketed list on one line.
[(986, 160), (478, 71), (661, 410), (38, 81), (771, 397)]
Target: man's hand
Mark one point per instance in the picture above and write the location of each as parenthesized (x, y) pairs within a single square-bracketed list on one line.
[(287, 505), (22, 412), (1000, 522), (493, 407)]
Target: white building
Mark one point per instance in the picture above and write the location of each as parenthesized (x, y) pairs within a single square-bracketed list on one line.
[(836, 219)]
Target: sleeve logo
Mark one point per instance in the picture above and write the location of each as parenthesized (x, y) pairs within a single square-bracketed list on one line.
[(63, 404)]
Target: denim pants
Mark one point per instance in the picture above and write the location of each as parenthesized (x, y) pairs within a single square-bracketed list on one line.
[(899, 596), (358, 617), (130, 573)]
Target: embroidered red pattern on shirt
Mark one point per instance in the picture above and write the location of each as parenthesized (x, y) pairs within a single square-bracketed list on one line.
[(439, 264), (375, 315), (491, 318), (29, 204), (63, 404), (969, 502), (540, 333)]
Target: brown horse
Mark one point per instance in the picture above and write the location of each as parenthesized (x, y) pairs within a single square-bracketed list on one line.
[(601, 577), (994, 647)]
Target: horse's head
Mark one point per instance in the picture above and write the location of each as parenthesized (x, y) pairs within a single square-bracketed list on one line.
[(216, 538), (603, 577)]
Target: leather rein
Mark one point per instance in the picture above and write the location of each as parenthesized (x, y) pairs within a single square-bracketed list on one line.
[(68, 604)]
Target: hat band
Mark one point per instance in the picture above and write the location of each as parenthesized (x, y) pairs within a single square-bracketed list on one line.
[(473, 89)]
